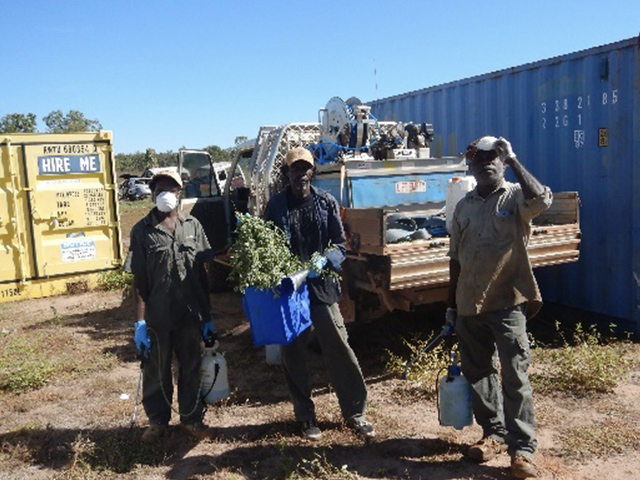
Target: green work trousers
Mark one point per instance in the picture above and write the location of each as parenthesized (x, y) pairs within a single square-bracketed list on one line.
[(502, 400), (341, 362)]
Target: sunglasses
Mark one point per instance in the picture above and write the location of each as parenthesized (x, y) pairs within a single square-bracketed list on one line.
[(475, 155)]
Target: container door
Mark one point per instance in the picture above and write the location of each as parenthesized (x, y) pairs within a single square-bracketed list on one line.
[(15, 262), (73, 204)]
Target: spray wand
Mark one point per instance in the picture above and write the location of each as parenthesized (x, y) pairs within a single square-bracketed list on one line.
[(446, 334)]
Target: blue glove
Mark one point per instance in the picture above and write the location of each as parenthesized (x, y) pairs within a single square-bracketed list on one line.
[(317, 265), (207, 330), (240, 218), (141, 338)]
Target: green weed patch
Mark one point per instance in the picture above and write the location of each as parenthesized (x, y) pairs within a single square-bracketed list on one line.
[(585, 363), (25, 365)]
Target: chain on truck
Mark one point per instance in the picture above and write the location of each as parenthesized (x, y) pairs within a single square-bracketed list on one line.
[(393, 196)]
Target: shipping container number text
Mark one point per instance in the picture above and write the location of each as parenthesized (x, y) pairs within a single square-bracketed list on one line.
[(10, 292), (566, 111), (68, 149)]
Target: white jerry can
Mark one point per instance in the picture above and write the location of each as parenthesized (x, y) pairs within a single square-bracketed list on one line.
[(214, 380), (454, 399), (457, 188)]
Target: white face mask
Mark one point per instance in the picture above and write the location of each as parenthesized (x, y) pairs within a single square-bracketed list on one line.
[(166, 201)]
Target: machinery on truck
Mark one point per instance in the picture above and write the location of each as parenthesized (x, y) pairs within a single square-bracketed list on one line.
[(393, 199)]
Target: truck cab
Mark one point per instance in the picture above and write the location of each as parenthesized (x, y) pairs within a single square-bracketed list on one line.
[(212, 193)]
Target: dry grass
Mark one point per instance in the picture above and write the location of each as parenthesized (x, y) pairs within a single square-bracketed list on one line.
[(75, 426), (34, 356), (609, 437), (316, 468), (255, 437)]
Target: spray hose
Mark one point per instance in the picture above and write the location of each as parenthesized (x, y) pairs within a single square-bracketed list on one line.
[(164, 394), (438, 393)]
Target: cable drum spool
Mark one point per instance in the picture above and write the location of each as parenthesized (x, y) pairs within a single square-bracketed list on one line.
[(213, 376)]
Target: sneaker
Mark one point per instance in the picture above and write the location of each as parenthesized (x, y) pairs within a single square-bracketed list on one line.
[(153, 433), (196, 430), (523, 467), (486, 449), (362, 428), (310, 429)]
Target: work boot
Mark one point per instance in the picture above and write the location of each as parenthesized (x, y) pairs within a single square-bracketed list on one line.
[(362, 428), (310, 429), (523, 467), (198, 431), (153, 433), (486, 449)]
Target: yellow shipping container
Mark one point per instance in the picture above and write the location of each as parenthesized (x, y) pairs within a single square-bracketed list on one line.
[(58, 213)]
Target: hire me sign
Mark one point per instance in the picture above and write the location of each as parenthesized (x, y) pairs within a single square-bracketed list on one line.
[(60, 165)]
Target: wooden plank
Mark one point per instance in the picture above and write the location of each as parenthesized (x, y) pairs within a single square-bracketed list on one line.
[(364, 227)]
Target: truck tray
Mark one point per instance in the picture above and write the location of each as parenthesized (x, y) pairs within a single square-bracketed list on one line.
[(378, 266)]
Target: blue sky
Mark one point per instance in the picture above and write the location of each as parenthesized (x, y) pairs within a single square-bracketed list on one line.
[(167, 74)]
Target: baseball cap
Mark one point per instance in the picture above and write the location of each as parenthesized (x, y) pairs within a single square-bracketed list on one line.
[(165, 173), (298, 153)]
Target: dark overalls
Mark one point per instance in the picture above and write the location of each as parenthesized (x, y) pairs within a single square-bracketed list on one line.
[(173, 265)]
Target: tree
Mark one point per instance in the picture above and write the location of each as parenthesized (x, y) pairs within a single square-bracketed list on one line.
[(150, 158), (18, 123), (218, 154), (167, 159), (73, 121), (133, 163), (240, 139)]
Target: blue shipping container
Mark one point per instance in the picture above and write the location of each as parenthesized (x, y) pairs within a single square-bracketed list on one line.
[(574, 121)]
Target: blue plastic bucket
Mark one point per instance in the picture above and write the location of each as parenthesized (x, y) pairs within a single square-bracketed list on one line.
[(276, 320)]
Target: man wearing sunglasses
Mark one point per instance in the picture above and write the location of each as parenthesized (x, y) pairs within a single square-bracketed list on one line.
[(491, 294)]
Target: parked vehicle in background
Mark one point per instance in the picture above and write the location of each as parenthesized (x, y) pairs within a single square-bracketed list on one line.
[(135, 188)]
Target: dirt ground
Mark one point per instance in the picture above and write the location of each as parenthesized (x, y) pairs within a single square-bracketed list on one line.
[(78, 425)]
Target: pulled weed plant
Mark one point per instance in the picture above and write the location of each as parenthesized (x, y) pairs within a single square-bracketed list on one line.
[(319, 468)]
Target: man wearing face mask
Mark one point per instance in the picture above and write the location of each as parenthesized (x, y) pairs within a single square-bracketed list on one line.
[(310, 218), (492, 293), (168, 253)]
